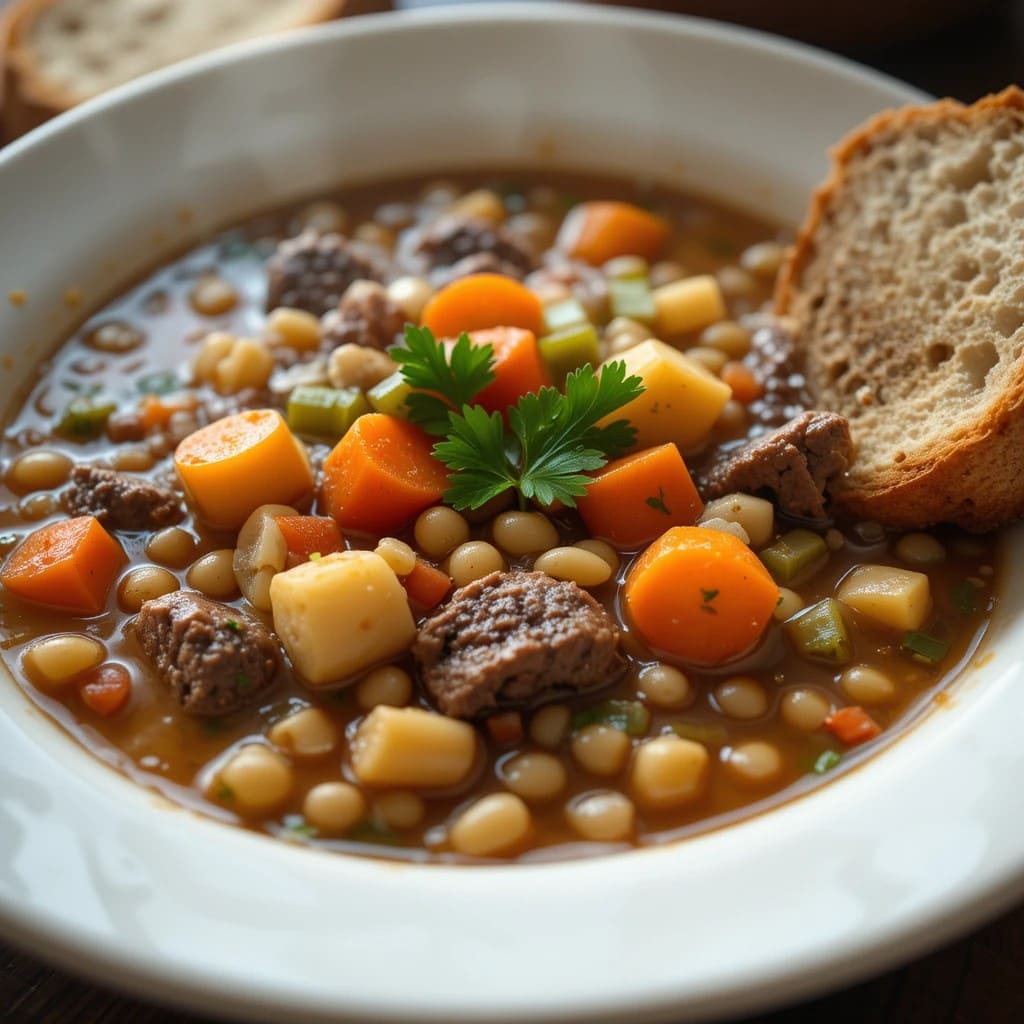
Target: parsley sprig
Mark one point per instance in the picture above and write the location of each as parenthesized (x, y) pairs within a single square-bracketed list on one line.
[(552, 439)]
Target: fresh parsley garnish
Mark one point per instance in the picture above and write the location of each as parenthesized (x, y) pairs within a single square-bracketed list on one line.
[(449, 380), (233, 625), (552, 439), (708, 596), (657, 501)]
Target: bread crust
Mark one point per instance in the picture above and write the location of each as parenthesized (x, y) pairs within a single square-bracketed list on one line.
[(975, 476)]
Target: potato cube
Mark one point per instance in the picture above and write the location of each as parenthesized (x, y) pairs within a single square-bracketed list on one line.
[(681, 399), (412, 747), (341, 614), (897, 598), (688, 305)]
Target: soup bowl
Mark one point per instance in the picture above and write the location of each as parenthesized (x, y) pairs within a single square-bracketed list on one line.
[(106, 879)]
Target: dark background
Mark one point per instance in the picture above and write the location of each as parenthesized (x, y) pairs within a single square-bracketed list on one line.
[(978, 980)]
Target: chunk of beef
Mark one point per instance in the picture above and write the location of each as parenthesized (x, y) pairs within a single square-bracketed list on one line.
[(776, 363), (798, 463), (455, 246), (365, 316), (312, 271), (513, 636), (216, 659), (120, 501)]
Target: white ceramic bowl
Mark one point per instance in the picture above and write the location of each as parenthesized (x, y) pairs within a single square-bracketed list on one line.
[(101, 877)]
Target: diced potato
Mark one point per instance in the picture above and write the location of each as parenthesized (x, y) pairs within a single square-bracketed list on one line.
[(688, 305), (755, 515), (897, 598), (340, 615), (681, 399), (412, 747)]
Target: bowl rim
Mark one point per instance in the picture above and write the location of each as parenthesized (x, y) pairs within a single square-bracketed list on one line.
[(150, 977)]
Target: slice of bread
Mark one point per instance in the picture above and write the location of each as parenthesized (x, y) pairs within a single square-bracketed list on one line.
[(60, 52), (906, 291)]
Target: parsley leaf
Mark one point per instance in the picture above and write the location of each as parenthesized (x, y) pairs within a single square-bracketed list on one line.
[(448, 380), (657, 502), (476, 450)]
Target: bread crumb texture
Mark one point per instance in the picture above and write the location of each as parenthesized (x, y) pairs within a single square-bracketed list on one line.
[(906, 286)]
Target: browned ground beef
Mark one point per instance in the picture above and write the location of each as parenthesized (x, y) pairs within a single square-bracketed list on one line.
[(312, 271), (120, 501), (365, 316), (215, 658), (456, 246), (798, 464), (510, 637)]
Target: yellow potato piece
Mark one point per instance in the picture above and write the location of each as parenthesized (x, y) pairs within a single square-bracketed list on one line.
[(897, 598), (340, 615), (688, 305), (681, 399)]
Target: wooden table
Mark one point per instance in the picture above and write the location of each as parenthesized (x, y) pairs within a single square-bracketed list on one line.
[(978, 980)]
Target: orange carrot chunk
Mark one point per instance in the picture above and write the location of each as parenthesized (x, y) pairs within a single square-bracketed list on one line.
[(852, 725), (426, 586), (633, 500), (232, 466), (505, 728), (69, 565), (518, 367), (479, 301), (105, 689), (746, 388), (309, 535), (599, 231), (381, 474), (700, 595)]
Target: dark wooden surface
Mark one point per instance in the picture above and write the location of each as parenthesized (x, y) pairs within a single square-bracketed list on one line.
[(978, 980)]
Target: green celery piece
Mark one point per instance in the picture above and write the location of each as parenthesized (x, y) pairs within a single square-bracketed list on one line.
[(389, 395), (84, 419), (924, 647), (628, 716), (826, 761), (162, 382), (565, 313), (965, 597), (708, 733), (568, 349), (632, 297), (819, 632), (325, 412), (794, 555)]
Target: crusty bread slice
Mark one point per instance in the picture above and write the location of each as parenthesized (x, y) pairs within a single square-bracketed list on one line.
[(906, 289), (60, 52)]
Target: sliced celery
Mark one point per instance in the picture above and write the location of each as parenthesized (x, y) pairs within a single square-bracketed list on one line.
[(628, 716), (325, 412), (924, 647), (84, 419), (795, 554), (566, 313), (568, 349), (389, 395), (632, 297), (819, 632), (826, 761)]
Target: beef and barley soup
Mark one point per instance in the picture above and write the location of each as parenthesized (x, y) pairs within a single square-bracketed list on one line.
[(464, 519)]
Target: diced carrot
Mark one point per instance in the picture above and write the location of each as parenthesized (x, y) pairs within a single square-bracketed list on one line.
[(309, 535), (599, 231), (633, 500), (106, 689), (700, 595), (852, 725), (746, 388), (157, 411), (482, 300), (426, 585), (381, 474), (70, 565), (233, 465), (518, 367), (505, 728)]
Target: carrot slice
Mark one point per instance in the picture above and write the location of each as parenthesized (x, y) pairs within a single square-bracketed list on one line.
[(700, 595), (505, 728), (233, 465), (633, 500), (482, 300), (69, 565), (309, 535), (746, 388), (381, 474), (599, 231), (518, 367), (157, 411), (426, 586), (852, 725), (106, 689)]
